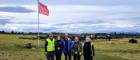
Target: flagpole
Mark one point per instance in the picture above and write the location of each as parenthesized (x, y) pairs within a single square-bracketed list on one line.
[(38, 38)]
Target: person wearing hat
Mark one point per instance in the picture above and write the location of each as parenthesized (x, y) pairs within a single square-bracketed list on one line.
[(88, 49), (50, 47)]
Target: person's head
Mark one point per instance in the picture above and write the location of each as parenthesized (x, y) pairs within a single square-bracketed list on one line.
[(76, 39), (50, 35), (87, 39), (58, 37), (66, 37)]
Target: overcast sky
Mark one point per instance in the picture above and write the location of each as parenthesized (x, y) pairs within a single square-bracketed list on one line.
[(74, 16)]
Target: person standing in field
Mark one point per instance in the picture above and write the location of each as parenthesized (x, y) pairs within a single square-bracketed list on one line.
[(67, 47), (77, 49), (58, 48), (50, 47), (88, 49)]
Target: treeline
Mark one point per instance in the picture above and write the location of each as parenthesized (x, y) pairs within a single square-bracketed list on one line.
[(112, 35), (12, 32)]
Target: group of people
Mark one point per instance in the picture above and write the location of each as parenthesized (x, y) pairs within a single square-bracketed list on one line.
[(54, 47)]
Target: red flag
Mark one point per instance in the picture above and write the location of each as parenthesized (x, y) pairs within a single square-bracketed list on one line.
[(43, 9)]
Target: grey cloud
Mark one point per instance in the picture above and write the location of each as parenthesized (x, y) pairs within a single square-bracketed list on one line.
[(131, 18), (15, 9), (5, 19), (83, 22)]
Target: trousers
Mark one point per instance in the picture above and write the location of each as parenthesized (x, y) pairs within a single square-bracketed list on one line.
[(76, 57), (50, 56)]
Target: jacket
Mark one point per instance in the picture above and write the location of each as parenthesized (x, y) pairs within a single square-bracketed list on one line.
[(69, 47), (88, 49), (77, 48), (59, 46)]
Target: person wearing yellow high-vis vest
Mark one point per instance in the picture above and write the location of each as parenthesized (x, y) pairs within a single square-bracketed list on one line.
[(50, 47)]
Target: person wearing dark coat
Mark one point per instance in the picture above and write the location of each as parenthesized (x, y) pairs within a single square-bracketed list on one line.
[(77, 49), (58, 48), (88, 49), (67, 48)]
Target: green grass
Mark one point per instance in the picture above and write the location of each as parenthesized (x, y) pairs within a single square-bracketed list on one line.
[(11, 49)]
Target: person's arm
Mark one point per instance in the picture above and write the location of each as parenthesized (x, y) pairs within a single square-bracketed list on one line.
[(55, 45), (81, 49), (72, 49), (46, 44), (93, 51), (62, 45)]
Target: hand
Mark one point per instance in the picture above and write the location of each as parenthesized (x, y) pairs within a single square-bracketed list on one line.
[(75, 52), (80, 53), (58, 48)]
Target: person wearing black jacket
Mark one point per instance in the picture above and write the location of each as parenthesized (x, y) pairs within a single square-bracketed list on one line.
[(58, 48), (88, 49)]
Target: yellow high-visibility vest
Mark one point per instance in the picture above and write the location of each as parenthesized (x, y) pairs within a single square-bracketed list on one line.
[(51, 44)]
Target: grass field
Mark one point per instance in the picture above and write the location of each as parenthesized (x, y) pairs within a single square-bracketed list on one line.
[(11, 49)]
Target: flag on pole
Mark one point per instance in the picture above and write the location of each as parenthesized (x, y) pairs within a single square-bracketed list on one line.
[(43, 9)]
